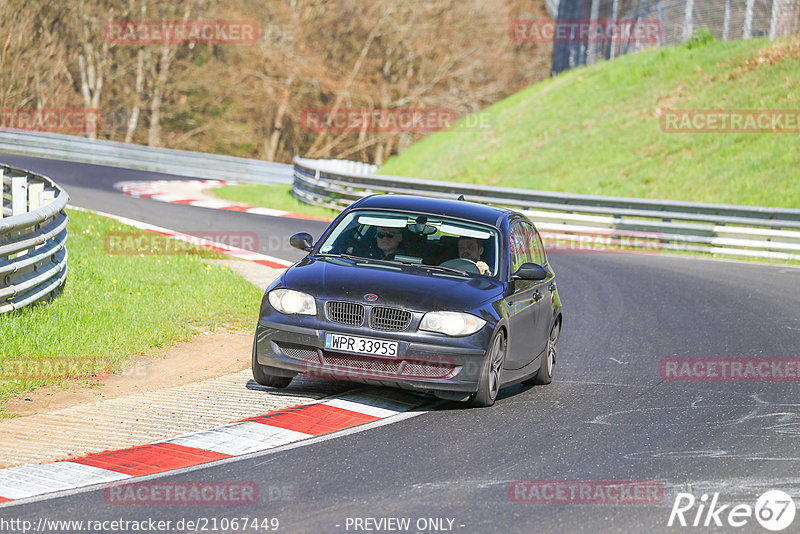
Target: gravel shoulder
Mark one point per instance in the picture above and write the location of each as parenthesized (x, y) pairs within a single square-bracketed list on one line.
[(189, 386)]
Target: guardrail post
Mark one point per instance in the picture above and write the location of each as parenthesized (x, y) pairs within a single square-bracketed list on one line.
[(19, 195), (35, 192)]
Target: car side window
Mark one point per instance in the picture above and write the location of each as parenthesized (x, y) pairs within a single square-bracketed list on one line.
[(518, 246), (532, 243), (540, 257)]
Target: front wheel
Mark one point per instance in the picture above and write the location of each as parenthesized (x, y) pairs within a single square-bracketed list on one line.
[(261, 376), (491, 374), (545, 374)]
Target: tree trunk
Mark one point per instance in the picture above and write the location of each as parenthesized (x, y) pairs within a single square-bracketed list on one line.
[(133, 121), (92, 66), (154, 132), (274, 138)]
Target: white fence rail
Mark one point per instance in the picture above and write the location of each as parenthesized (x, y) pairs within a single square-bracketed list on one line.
[(583, 222), (128, 156), (33, 236)]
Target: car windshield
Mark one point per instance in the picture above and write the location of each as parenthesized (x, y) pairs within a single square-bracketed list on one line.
[(416, 239)]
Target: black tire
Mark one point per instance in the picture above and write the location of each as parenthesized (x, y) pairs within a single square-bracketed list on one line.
[(261, 376), (545, 374), (491, 374)]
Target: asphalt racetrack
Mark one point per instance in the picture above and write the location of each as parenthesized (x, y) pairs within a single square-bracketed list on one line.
[(609, 414)]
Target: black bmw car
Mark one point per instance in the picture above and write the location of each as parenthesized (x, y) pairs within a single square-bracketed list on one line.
[(448, 297)]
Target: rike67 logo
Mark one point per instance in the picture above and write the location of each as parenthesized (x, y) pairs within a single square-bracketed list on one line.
[(774, 510)]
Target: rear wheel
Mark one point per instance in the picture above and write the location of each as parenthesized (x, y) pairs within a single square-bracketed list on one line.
[(545, 374), (261, 376), (491, 374)]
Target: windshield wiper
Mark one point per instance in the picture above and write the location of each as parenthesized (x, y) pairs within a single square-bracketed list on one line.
[(439, 268), (345, 256), (420, 265)]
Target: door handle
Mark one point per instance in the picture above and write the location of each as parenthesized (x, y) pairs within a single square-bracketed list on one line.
[(552, 286), (537, 296)]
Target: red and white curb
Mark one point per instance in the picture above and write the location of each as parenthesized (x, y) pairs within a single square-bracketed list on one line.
[(227, 250), (255, 434), (190, 193)]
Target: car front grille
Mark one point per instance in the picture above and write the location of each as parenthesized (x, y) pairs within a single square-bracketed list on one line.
[(383, 318), (368, 366), (347, 313)]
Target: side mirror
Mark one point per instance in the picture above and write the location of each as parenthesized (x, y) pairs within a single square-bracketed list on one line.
[(530, 271), (302, 241)]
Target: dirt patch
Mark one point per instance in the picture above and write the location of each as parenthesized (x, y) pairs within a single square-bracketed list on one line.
[(205, 355), (669, 102), (769, 56)]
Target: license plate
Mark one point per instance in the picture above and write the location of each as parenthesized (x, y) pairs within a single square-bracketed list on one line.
[(360, 345)]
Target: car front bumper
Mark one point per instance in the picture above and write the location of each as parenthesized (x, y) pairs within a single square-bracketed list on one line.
[(425, 362)]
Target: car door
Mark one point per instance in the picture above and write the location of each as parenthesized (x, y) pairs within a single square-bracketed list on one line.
[(543, 292), (520, 302)]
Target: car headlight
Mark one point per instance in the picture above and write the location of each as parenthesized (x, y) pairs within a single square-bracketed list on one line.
[(289, 301), (451, 323)]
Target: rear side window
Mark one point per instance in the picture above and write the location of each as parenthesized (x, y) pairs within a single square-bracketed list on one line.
[(518, 246), (539, 255), (530, 241)]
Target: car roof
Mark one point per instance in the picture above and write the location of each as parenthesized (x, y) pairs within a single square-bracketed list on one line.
[(459, 209)]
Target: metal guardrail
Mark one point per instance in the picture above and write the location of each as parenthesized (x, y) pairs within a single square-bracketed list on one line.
[(33, 236), (576, 221), (129, 156)]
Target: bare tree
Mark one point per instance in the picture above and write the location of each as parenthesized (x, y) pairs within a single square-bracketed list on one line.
[(93, 60)]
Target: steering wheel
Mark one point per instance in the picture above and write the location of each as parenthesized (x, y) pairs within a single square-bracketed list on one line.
[(462, 264)]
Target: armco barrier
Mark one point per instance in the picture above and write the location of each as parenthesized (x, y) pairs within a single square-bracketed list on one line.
[(692, 226), (33, 236), (129, 156)]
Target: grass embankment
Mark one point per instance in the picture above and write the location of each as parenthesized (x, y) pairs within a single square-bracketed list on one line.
[(276, 196), (116, 306), (596, 130)]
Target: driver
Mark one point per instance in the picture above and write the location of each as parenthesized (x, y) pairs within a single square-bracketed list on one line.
[(470, 249), (388, 241)]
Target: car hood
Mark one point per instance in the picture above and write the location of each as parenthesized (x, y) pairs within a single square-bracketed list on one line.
[(400, 285)]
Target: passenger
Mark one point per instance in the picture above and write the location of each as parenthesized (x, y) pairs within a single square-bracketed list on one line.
[(388, 241), (469, 248)]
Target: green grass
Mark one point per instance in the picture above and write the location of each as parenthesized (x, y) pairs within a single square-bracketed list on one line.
[(596, 130), (115, 307), (272, 196)]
